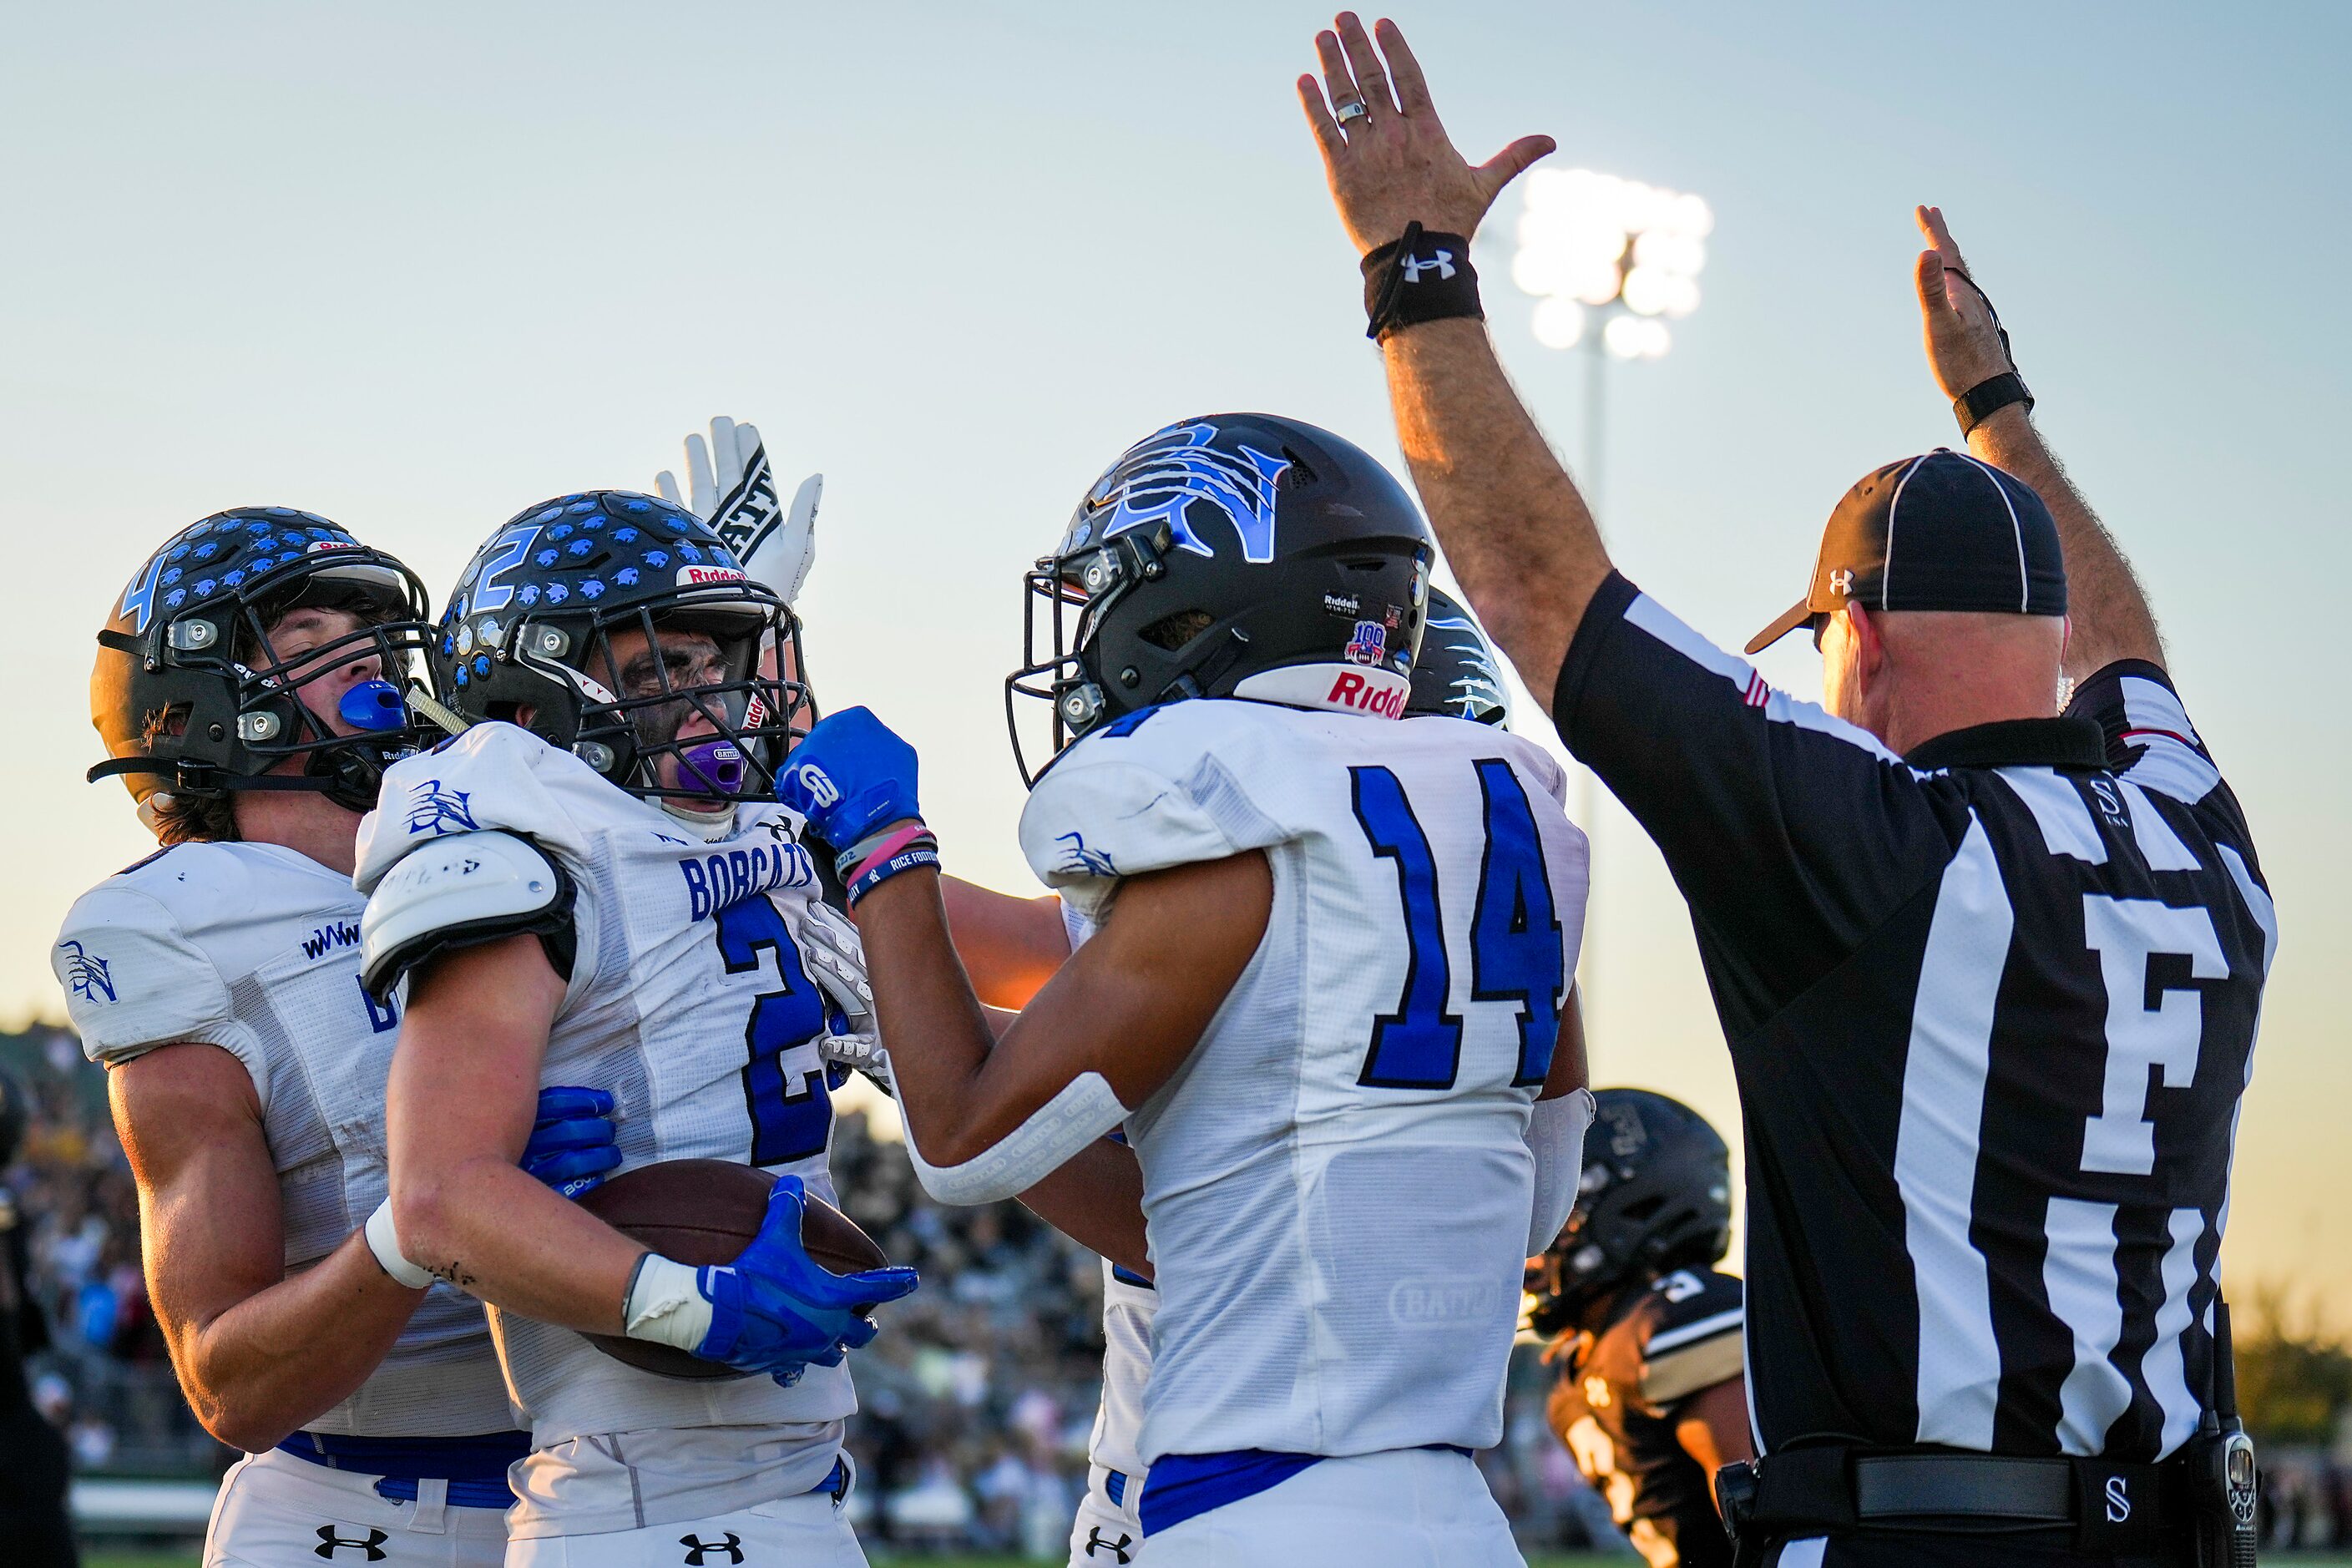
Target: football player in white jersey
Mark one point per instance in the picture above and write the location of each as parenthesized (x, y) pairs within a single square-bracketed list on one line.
[(579, 886), (245, 689), (1456, 672), (1323, 997)]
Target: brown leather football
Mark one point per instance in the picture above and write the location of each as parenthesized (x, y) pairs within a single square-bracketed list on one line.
[(703, 1212)]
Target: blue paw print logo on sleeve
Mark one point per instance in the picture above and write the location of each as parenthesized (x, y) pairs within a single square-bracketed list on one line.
[(436, 810)]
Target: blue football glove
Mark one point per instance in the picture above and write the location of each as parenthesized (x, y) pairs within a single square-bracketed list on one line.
[(850, 777), (776, 1310), (573, 1141)]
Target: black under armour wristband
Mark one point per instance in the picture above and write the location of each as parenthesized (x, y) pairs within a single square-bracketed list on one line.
[(1420, 277), (1978, 403)]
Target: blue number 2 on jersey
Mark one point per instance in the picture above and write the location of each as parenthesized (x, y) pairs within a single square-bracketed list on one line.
[(1516, 953), (789, 1121)]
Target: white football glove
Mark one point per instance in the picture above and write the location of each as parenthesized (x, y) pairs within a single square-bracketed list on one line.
[(836, 960), (731, 488)]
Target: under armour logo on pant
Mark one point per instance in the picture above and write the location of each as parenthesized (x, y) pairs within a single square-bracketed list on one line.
[(1442, 266), (696, 1546), (329, 1543), (1118, 1549)]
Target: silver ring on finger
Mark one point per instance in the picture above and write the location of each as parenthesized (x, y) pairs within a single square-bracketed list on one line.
[(1354, 109)]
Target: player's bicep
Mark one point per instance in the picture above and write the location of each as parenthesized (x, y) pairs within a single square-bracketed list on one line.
[(1132, 1003), (210, 1228), (465, 1077)]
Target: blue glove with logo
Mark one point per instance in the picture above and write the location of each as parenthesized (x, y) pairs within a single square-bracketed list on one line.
[(850, 777), (777, 1309), (572, 1141)]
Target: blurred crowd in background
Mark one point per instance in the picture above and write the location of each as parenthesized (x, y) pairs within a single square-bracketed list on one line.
[(977, 1399)]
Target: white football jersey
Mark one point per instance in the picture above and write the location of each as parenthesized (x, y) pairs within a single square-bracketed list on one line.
[(688, 1002), (1337, 1181), (256, 948)]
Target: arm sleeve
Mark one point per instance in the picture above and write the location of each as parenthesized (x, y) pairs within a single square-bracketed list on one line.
[(1555, 1135), (1791, 833), (134, 979)]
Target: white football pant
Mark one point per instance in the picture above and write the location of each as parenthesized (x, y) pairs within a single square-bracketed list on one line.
[(275, 1509), (1107, 1534)]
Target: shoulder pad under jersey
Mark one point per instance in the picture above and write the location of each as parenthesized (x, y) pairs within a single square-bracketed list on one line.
[(493, 778)]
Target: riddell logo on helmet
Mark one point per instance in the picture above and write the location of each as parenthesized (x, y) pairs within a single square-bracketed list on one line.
[(1352, 691), (696, 576)]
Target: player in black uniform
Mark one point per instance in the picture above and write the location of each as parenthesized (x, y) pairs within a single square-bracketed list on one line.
[(1645, 1333), (32, 1454)]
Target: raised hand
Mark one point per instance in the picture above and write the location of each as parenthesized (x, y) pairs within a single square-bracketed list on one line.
[(1388, 159), (1965, 341), (730, 486)]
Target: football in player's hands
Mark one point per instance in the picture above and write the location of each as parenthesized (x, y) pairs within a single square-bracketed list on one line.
[(707, 1212)]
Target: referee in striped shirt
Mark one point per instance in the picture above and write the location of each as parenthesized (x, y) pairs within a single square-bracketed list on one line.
[(1990, 972)]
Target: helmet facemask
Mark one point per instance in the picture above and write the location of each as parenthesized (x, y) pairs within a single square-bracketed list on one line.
[(625, 693), (204, 701), (1088, 586)]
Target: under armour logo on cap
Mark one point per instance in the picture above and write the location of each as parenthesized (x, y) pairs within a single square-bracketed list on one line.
[(1938, 531)]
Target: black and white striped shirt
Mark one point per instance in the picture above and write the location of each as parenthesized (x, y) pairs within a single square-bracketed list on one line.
[(1992, 1008)]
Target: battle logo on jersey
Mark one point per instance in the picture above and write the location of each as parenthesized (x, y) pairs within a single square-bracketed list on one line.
[(435, 810), (87, 973), (1164, 475)]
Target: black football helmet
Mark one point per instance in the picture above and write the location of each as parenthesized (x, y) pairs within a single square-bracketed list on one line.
[(529, 627), (1234, 554), (191, 698), (1456, 672), (1655, 1197)]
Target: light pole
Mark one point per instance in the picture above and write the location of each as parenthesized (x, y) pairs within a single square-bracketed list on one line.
[(1609, 261)]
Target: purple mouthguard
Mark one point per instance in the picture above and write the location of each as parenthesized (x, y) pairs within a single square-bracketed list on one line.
[(714, 768)]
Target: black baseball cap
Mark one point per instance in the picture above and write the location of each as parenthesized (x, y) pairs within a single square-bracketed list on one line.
[(1937, 531)]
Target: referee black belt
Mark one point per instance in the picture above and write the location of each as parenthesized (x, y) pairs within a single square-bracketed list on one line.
[(2106, 1505)]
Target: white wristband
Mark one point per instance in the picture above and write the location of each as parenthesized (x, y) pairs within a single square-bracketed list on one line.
[(385, 1241), (666, 1305)]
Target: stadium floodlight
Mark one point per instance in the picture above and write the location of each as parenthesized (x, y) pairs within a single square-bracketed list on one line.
[(1589, 242), (1610, 262)]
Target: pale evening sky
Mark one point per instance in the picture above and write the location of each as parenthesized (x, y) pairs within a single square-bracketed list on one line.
[(416, 267)]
